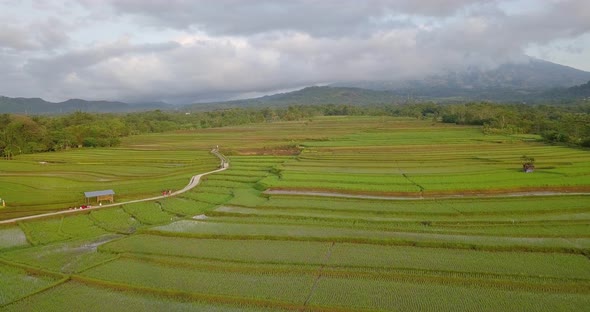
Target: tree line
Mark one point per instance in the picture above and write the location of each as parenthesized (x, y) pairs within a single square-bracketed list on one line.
[(21, 134)]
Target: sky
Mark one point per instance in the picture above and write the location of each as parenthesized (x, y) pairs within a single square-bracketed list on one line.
[(187, 51)]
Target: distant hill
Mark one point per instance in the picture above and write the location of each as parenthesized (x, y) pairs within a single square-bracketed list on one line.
[(308, 96), (580, 91), (509, 82), (37, 106), (358, 96), (576, 93), (535, 81)]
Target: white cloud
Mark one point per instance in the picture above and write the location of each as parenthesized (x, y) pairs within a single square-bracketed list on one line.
[(183, 51)]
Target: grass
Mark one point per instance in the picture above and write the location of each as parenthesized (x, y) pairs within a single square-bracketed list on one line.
[(403, 296), (181, 206), (435, 159), (115, 220), (67, 257), (211, 229), (18, 283), (568, 229), (453, 249), (441, 259), (246, 197), (292, 289), (359, 255), (361, 205), (211, 198), (148, 213), (54, 181), (221, 249), (60, 228), (12, 236), (82, 297), (43, 232), (274, 182)]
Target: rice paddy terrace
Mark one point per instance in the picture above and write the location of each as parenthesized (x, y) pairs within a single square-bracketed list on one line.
[(330, 214)]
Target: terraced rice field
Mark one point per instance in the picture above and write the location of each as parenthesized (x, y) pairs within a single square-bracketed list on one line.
[(38, 183), (373, 214)]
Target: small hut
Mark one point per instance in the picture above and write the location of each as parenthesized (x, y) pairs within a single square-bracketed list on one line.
[(106, 195)]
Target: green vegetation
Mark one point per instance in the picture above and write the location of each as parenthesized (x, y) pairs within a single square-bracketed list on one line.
[(68, 257), (442, 259), (148, 213), (258, 286), (115, 220), (222, 249), (371, 294), (61, 228), (17, 283), (23, 134), (208, 229), (12, 236), (326, 214), (186, 207), (81, 297), (55, 181)]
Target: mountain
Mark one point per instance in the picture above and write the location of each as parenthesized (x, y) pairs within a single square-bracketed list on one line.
[(508, 82), (357, 96), (535, 81), (37, 106), (308, 96), (579, 93), (582, 91)]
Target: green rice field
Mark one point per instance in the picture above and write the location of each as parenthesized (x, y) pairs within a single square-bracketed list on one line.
[(327, 214)]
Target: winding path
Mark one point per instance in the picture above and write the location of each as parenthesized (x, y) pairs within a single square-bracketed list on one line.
[(193, 182)]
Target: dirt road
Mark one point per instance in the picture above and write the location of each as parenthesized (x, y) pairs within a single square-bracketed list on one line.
[(193, 182)]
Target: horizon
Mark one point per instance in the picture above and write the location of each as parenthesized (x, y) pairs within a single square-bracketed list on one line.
[(246, 96)]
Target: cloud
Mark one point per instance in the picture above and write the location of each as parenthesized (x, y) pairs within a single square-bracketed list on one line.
[(47, 35), (184, 51), (80, 59), (50, 33), (14, 38), (84, 74), (318, 18), (210, 68)]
